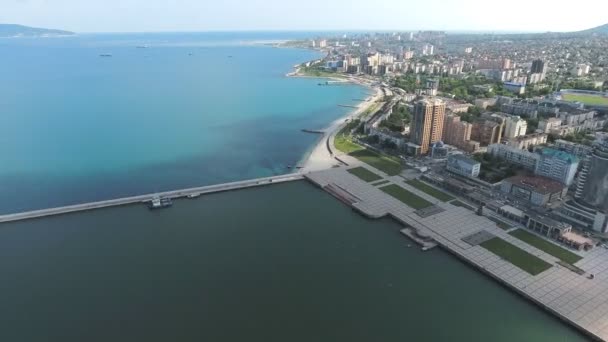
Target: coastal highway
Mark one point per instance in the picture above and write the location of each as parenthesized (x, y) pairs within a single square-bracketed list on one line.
[(145, 198)]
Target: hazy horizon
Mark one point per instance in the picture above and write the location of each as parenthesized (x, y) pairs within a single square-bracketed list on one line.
[(129, 16)]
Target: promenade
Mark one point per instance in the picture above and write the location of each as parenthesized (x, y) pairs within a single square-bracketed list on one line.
[(574, 298), (148, 197)]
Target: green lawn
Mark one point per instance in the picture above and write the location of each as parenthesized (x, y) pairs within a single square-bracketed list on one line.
[(381, 182), (345, 145), (499, 223), (460, 204), (364, 174), (516, 256), (406, 197), (546, 246), (586, 99), (389, 165), (442, 196)]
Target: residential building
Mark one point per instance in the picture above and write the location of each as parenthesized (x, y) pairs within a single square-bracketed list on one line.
[(456, 132), (485, 103), (527, 141), (558, 165), (427, 123), (428, 50), (550, 124), (515, 88), (522, 108), (515, 127), (538, 67), (464, 166), (487, 132), (527, 160), (578, 150), (539, 191), (576, 118), (432, 86)]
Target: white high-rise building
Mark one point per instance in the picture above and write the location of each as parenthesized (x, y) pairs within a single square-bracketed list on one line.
[(515, 127), (428, 50)]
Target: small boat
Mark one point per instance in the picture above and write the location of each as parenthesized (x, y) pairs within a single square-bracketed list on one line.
[(195, 195), (143, 46), (160, 202), (105, 55)]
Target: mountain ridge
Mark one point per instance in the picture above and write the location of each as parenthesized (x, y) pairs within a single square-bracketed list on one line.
[(14, 30)]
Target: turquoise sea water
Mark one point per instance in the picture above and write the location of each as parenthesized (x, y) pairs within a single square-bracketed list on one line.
[(77, 127)]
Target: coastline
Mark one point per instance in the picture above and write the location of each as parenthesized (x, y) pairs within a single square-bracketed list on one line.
[(319, 157)]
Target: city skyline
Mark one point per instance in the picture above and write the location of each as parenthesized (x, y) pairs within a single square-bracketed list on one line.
[(274, 15)]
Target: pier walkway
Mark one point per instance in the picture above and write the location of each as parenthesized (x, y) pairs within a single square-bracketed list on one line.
[(145, 198)]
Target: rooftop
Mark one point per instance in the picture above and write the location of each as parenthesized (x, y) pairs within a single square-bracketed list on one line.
[(463, 158), (538, 184), (562, 155)]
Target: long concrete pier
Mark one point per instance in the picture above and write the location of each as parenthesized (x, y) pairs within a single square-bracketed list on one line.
[(148, 197)]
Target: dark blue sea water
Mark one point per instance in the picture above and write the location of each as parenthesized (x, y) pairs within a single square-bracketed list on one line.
[(77, 127)]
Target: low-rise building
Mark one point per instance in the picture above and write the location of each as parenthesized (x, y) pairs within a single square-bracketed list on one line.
[(539, 191), (527, 160), (516, 88), (463, 165), (485, 103), (527, 141)]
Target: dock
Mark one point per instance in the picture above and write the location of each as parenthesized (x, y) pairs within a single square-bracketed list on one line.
[(191, 193)]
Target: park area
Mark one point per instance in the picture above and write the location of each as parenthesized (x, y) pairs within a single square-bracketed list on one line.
[(387, 164), (407, 197), (440, 195), (546, 246), (586, 99), (364, 174), (516, 256)]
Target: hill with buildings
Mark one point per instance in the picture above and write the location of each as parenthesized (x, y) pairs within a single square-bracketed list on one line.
[(12, 30)]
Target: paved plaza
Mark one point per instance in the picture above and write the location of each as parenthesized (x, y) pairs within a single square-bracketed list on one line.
[(575, 298)]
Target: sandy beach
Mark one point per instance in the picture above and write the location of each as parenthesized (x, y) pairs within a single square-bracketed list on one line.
[(320, 158)]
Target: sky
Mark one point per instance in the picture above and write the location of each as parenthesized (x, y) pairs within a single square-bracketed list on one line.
[(306, 15)]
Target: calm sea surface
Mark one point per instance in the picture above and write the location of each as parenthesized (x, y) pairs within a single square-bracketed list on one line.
[(189, 110), (282, 263)]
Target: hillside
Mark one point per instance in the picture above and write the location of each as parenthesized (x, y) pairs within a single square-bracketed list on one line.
[(10, 30), (603, 29)]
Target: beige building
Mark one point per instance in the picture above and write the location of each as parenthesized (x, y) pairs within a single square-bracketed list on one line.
[(427, 123), (456, 132), (487, 132)]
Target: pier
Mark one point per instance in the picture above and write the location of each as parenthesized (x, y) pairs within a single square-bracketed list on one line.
[(192, 192)]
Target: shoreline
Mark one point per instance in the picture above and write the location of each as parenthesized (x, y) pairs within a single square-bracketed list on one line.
[(319, 157)]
